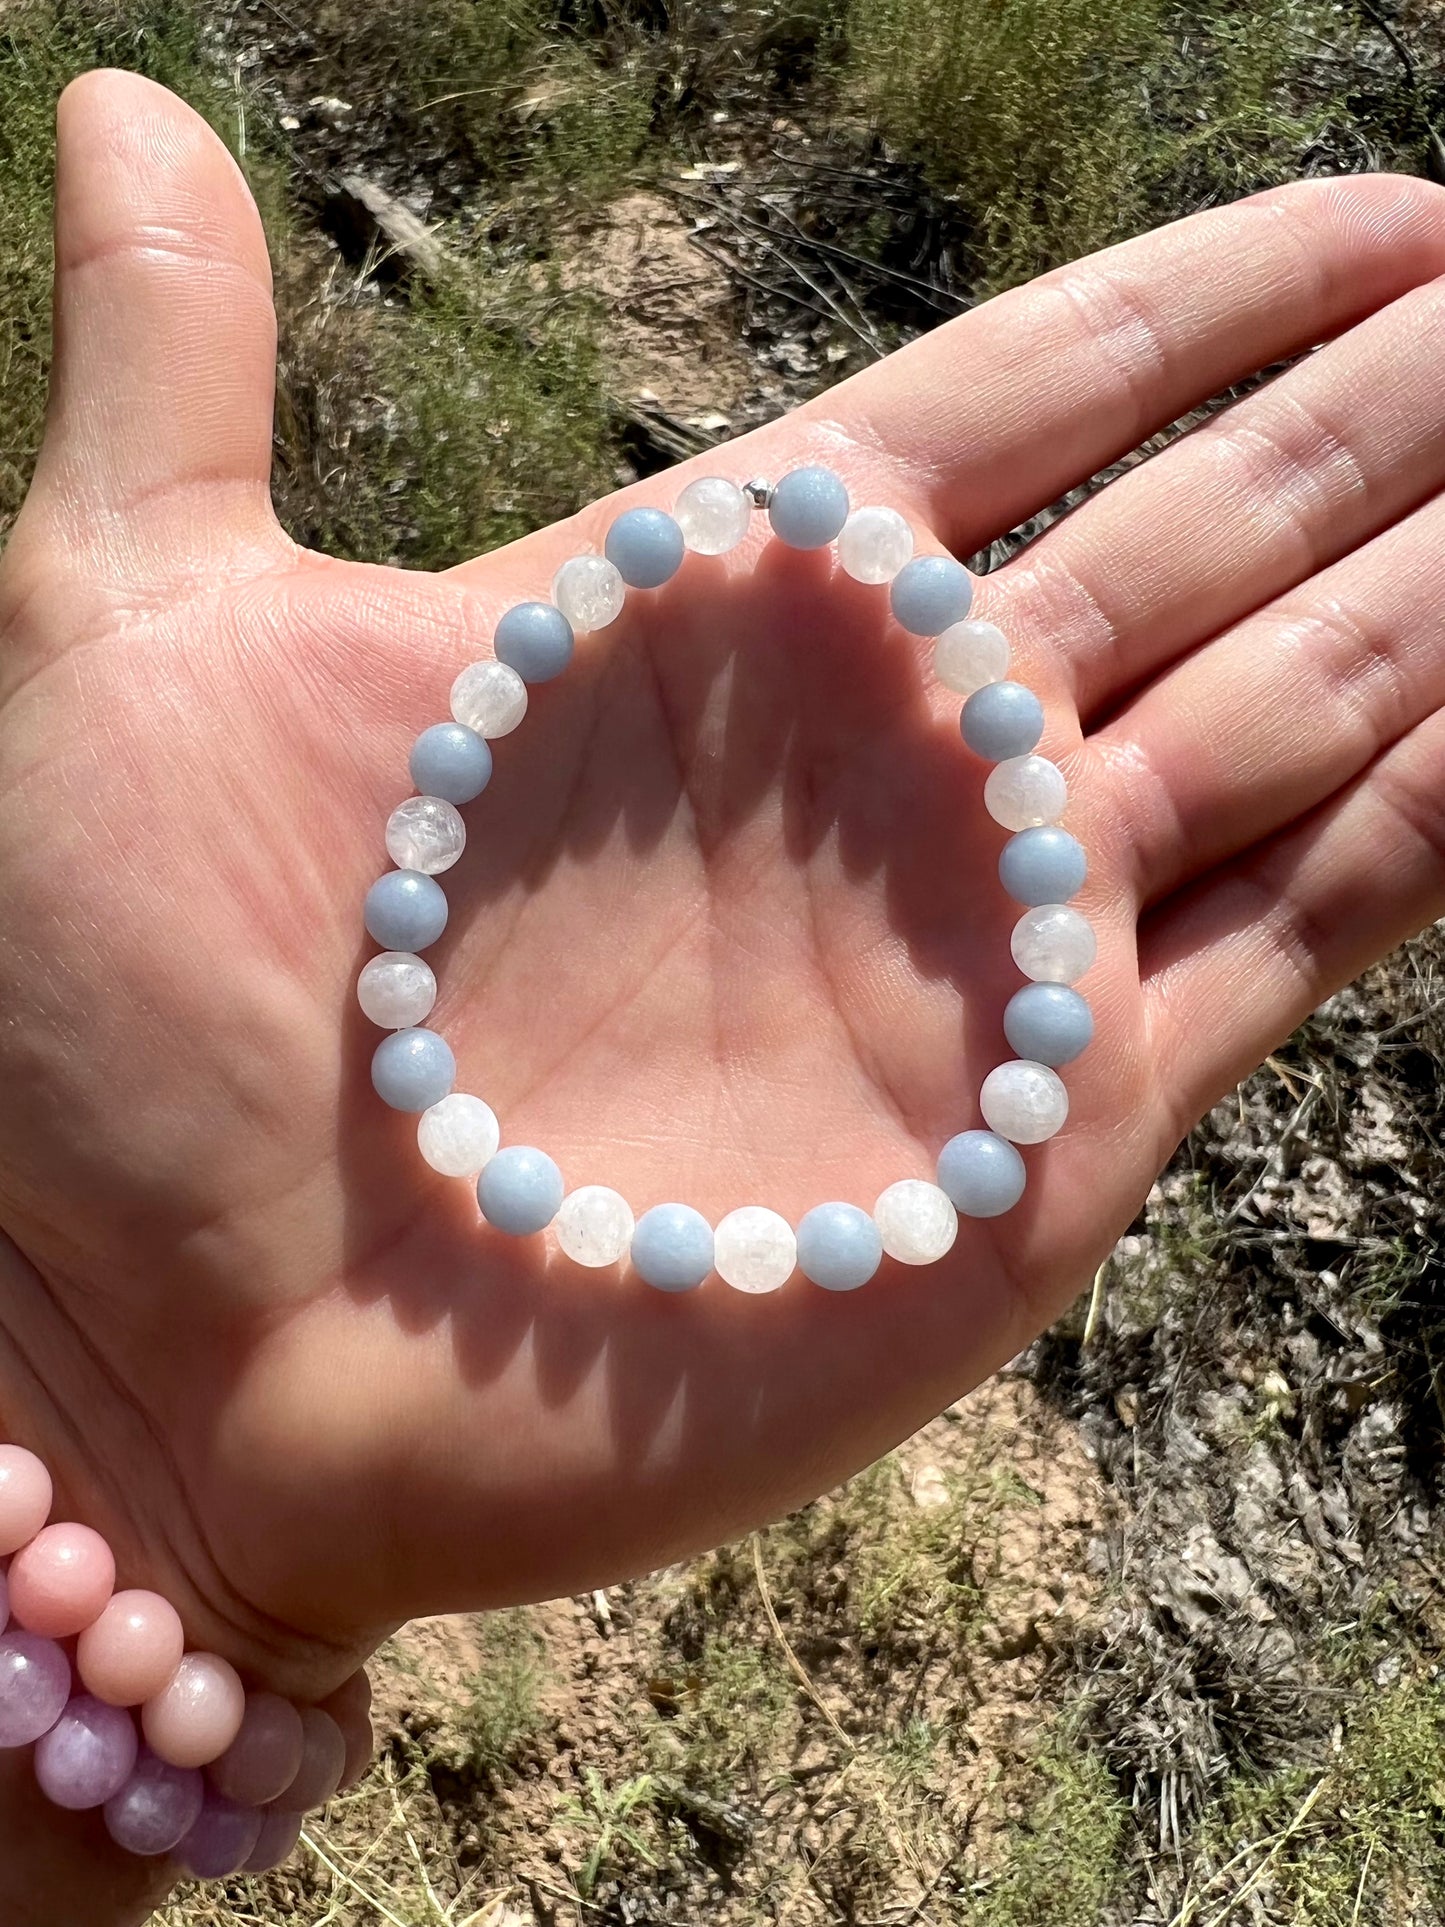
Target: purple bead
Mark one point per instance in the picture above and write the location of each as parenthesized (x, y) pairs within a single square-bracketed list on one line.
[(87, 1755), (157, 1806), (279, 1833), (222, 1840), (34, 1686)]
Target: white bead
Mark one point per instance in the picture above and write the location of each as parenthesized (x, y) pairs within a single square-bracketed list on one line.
[(969, 655), (424, 833), (1053, 944), (489, 697), (589, 592), (754, 1249), (459, 1136), (918, 1221), (396, 990), (1025, 792), (594, 1225), (713, 515), (1023, 1101), (874, 544)]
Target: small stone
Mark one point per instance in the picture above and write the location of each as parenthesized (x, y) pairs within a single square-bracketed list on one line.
[(672, 1247), (1023, 1101), (917, 1221), (594, 1226), (1025, 791), (969, 655), (520, 1190), (874, 544), (1053, 944), (405, 910), (1002, 720), (489, 697), (839, 1246), (412, 1069), (589, 592), (451, 761), (930, 594), (458, 1136), (754, 1249), (1048, 1023), (983, 1174), (396, 990), (713, 515), (535, 640), (1043, 866), (646, 547), (808, 508), (425, 833)]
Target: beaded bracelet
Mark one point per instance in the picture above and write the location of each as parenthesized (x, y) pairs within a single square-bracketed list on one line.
[(1047, 1023), (128, 1722)]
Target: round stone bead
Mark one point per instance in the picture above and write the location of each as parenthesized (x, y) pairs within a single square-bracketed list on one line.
[(713, 515), (1053, 944), (1024, 1102), (132, 1649), (489, 697), (277, 1840), (520, 1190), (646, 547), (930, 594), (969, 654), (874, 544), (1025, 791), (405, 910), (839, 1246), (458, 1136), (1002, 720), (4, 1600), (87, 1756), (413, 1069), (350, 1707), (61, 1582), (535, 640), (156, 1808), (754, 1249), (589, 592), (1043, 866), (595, 1226), (672, 1247), (34, 1686), (1049, 1023), (25, 1497), (450, 761), (265, 1756), (396, 990), (809, 507), (221, 1841), (197, 1713), (425, 833), (917, 1221), (323, 1761), (983, 1174)]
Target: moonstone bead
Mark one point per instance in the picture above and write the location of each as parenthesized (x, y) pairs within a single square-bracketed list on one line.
[(132, 1649), (197, 1713), (809, 507), (969, 654), (458, 1135), (276, 1842), (589, 592), (983, 1174), (1023, 1101), (221, 1841), (425, 833), (930, 594), (1049, 1023), (60, 1583), (535, 639), (396, 990), (520, 1190), (713, 515), (157, 1806), (451, 761), (1053, 944), (413, 1069), (839, 1246), (594, 1226), (1043, 866), (874, 544), (405, 910), (87, 1755), (917, 1221), (34, 1686), (265, 1756), (672, 1247), (323, 1761), (754, 1249), (1024, 792), (489, 697), (646, 547), (25, 1497), (1001, 720)]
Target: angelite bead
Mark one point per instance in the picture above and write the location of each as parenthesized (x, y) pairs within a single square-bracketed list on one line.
[(197, 1713), (1043, 866), (1024, 1102), (132, 1649), (589, 592), (458, 1135), (1024, 792), (405, 910), (61, 1581), (413, 1069), (34, 1686), (425, 833), (930, 594), (983, 1174), (594, 1226), (489, 697), (839, 1246), (672, 1247), (754, 1249), (25, 1497), (713, 515), (969, 654), (646, 547), (157, 1806), (221, 1841), (1003, 719), (520, 1190), (323, 1761), (265, 1756), (87, 1755), (874, 544), (396, 990), (535, 641), (809, 507), (1049, 1023), (1053, 944), (276, 1842), (917, 1221), (451, 761)]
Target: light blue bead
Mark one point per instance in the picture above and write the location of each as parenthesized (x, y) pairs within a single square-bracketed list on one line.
[(451, 761), (809, 507), (672, 1247), (930, 594), (1049, 1023), (535, 639), (520, 1190), (413, 1069), (645, 546), (1002, 719), (839, 1246), (1043, 866), (406, 910), (983, 1174)]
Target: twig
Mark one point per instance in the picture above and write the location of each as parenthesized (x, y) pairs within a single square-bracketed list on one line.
[(1306, 1808), (796, 1666), (1096, 1303)]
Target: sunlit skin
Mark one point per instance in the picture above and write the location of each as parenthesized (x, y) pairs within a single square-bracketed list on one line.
[(728, 930)]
